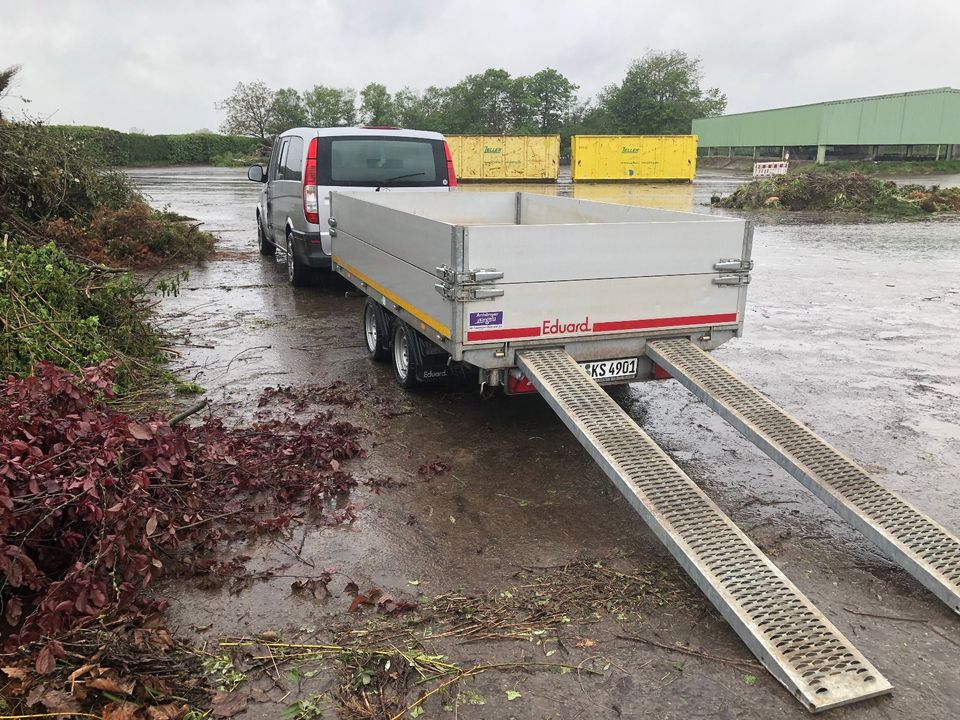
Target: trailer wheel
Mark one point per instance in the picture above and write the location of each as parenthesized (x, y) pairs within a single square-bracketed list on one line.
[(375, 331), (404, 356)]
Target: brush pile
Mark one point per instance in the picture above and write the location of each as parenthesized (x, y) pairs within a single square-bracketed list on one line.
[(95, 504), (824, 190)]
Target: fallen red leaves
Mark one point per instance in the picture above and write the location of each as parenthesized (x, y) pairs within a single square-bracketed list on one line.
[(434, 469), (300, 397), (128, 669), (93, 502), (377, 598)]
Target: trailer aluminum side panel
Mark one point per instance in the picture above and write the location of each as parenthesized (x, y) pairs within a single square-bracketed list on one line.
[(417, 240), (396, 284)]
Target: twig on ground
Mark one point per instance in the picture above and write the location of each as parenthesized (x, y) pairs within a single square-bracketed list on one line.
[(192, 410), (691, 651)]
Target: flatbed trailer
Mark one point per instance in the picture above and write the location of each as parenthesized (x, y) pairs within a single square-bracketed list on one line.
[(483, 275), (558, 296)]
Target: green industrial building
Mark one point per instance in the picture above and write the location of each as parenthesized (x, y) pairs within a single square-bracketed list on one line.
[(920, 125)]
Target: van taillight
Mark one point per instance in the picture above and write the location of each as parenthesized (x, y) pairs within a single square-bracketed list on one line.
[(451, 172), (311, 206)]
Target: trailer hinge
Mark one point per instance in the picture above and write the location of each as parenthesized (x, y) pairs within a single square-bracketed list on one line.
[(735, 264), (466, 293), (449, 275), (740, 268), (735, 280)]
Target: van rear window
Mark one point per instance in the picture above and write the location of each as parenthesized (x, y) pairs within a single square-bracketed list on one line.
[(373, 161)]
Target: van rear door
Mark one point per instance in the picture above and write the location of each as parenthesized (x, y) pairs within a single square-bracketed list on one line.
[(383, 161)]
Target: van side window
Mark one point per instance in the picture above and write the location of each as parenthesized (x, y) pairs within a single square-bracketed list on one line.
[(290, 161), (284, 151), (278, 150)]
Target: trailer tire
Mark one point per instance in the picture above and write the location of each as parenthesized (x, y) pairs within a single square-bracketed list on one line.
[(405, 357), (376, 330)]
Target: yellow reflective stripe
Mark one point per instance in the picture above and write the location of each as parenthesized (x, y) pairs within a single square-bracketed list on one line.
[(418, 314)]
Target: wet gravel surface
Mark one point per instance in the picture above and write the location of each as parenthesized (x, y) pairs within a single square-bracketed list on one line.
[(852, 325)]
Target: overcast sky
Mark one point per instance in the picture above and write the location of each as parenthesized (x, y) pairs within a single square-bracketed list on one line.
[(161, 65)]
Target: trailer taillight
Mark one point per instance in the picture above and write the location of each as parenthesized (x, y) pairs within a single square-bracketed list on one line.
[(660, 374), (311, 205), (451, 171), (517, 383)]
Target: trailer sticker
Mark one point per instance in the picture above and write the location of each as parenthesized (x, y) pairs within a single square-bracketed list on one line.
[(555, 327), (487, 319), (420, 315)]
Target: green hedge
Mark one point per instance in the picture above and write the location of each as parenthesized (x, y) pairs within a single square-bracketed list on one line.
[(123, 149)]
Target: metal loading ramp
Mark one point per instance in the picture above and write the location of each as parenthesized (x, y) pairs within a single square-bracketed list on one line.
[(920, 545), (793, 640)]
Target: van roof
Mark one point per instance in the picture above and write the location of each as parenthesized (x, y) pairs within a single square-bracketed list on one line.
[(355, 131)]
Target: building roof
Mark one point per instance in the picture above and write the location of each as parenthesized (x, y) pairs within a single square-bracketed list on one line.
[(919, 117), (851, 100)]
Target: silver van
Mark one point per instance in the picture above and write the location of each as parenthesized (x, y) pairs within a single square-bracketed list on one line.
[(307, 163)]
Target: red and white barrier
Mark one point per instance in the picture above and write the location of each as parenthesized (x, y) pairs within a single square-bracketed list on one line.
[(766, 169)]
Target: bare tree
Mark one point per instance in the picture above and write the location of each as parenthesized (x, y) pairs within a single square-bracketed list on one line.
[(249, 110)]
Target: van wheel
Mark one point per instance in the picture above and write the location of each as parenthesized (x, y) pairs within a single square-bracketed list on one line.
[(375, 331), (404, 358), (297, 273), (266, 247)]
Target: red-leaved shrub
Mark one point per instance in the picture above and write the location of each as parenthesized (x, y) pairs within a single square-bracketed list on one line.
[(93, 503)]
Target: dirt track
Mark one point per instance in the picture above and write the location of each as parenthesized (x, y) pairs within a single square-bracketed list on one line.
[(855, 327)]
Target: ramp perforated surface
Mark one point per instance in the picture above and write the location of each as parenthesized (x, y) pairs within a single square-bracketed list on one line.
[(794, 641), (920, 545)]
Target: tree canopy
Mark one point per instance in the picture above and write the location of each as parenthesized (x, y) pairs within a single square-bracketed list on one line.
[(330, 106), (661, 93), (376, 105), (248, 110), (287, 110)]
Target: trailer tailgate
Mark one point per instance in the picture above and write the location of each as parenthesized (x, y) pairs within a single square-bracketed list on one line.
[(575, 280)]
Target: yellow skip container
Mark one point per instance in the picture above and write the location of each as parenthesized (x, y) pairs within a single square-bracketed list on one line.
[(628, 158), (505, 158)]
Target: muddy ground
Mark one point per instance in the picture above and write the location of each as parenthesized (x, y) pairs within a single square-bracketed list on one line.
[(852, 325)]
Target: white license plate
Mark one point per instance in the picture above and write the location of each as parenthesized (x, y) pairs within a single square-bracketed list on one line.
[(621, 369)]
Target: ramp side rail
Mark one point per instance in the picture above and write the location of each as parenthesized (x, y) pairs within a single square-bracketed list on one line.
[(920, 545), (788, 634)]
